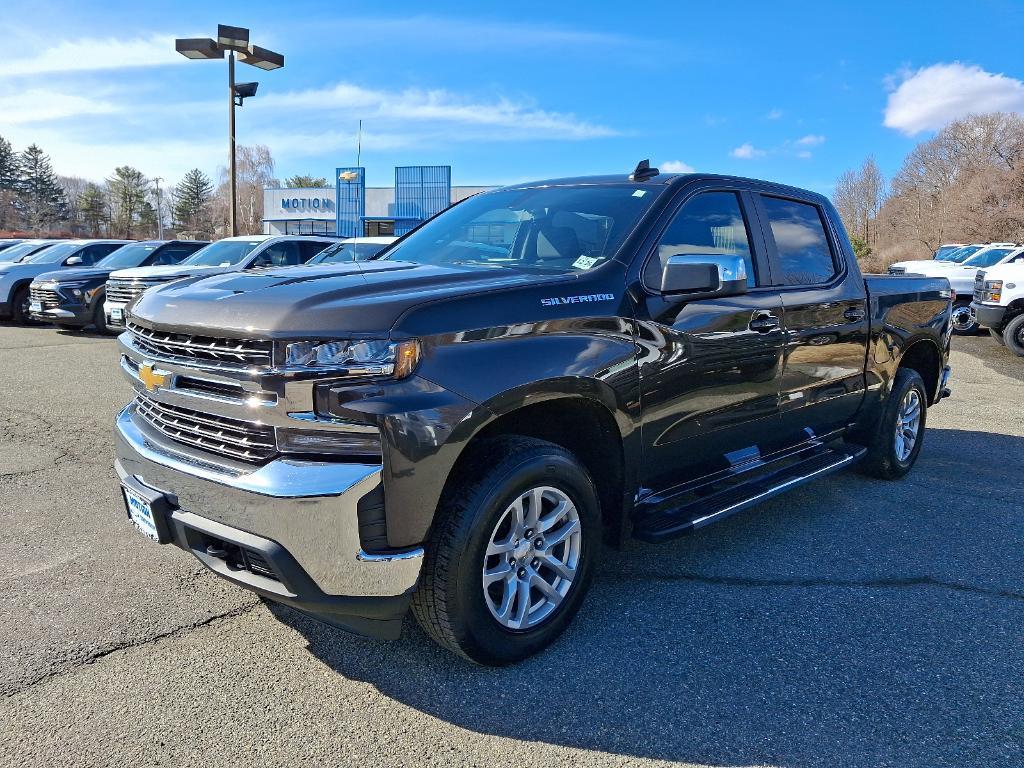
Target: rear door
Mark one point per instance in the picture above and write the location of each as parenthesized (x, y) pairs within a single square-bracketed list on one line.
[(709, 369), (826, 317)]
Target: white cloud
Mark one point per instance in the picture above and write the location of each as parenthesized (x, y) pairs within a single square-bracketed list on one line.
[(934, 96), (773, 114), (675, 166), (497, 118), (93, 53), (39, 105), (804, 155), (810, 140), (747, 152)]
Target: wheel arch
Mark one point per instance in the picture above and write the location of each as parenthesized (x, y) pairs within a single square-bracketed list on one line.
[(924, 357)]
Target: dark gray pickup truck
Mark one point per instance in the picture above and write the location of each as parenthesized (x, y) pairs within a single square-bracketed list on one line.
[(459, 424)]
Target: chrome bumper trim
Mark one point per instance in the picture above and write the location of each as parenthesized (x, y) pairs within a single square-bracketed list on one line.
[(307, 507)]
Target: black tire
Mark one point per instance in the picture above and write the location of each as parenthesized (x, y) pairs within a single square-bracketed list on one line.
[(996, 335), (99, 320), (66, 327), (882, 460), (1013, 335), (450, 603), (964, 327), (19, 307)]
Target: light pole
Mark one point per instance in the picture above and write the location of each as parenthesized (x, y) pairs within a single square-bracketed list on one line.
[(159, 209), (231, 39)]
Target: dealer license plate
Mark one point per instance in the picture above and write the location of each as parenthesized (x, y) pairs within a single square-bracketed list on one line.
[(117, 313), (35, 306), (140, 513)]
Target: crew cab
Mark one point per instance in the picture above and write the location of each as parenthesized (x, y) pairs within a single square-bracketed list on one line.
[(999, 303), (458, 425), (72, 299), (232, 254), (43, 256)]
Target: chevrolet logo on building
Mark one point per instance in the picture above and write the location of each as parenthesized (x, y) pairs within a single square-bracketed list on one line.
[(151, 378), (348, 176)]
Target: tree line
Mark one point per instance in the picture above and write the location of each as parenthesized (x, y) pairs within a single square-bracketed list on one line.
[(36, 200), (963, 185)]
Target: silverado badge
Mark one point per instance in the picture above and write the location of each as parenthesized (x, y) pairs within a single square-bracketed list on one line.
[(151, 378)]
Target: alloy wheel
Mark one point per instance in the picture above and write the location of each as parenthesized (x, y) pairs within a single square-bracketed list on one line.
[(908, 423)]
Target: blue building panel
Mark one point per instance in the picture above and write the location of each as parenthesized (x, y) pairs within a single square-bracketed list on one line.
[(350, 184), (421, 191)]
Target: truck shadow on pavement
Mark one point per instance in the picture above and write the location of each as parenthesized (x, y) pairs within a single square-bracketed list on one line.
[(852, 622)]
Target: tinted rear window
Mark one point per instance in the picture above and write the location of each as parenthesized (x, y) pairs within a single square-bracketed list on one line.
[(805, 257)]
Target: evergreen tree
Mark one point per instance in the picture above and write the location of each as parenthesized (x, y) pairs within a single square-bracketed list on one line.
[(41, 199), (10, 174), (192, 198), (307, 182), (92, 208), (128, 187), (147, 220)]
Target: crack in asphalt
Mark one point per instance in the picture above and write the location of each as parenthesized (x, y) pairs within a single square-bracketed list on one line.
[(73, 666), (895, 582)]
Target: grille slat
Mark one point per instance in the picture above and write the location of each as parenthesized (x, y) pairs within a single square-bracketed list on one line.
[(46, 296), (125, 291), (187, 347), (233, 438)]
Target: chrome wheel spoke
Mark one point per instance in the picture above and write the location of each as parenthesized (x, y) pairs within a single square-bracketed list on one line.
[(503, 570), (522, 604), (549, 520), (546, 589), (501, 547), (507, 599), (561, 569), (563, 533), (536, 505)]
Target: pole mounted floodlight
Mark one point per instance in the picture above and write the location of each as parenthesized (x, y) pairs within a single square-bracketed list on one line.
[(244, 91), (231, 39)]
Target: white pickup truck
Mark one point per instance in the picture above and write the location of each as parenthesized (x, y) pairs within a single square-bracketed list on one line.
[(961, 276), (999, 303)]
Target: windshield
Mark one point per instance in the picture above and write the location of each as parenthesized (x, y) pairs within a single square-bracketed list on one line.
[(128, 256), (222, 254), (340, 252), (20, 251), (960, 254), (945, 250), (546, 229), (988, 257), (53, 254)]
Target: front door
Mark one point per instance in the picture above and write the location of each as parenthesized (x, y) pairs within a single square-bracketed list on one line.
[(709, 369)]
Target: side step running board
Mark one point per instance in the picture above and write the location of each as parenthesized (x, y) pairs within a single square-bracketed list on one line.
[(711, 509)]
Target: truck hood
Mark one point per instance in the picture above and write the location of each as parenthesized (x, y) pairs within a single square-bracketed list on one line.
[(74, 274), (1012, 271), (927, 267), (167, 272), (18, 270), (317, 302)]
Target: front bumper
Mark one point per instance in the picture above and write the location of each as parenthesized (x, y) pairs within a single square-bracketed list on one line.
[(109, 308), (299, 517), (65, 314), (989, 316)]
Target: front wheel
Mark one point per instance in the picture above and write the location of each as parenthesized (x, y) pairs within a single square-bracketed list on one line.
[(512, 551), (20, 307), (1013, 335), (963, 320), (899, 433)]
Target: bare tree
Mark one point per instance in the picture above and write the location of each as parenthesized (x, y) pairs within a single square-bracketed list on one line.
[(255, 169)]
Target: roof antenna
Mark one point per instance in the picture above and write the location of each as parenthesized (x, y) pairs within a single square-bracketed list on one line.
[(643, 171)]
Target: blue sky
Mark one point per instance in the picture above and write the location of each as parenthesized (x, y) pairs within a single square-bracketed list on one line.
[(790, 91)]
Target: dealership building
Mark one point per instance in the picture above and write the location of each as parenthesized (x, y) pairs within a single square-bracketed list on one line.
[(352, 209)]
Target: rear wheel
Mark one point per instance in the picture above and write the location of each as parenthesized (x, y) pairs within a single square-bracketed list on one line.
[(19, 306), (1013, 335), (512, 552), (899, 434), (964, 321)]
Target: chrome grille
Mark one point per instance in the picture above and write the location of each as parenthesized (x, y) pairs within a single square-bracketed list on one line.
[(234, 438), (183, 346), (48, 297), (124, 291)]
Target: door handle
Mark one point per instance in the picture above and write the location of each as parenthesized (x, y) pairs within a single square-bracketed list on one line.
[(763, 322), (853, 314)]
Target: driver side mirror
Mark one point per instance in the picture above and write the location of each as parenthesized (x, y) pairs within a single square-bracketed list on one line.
[(73, 261), (704, 275)]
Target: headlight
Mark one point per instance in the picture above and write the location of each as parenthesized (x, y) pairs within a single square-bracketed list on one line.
[(356, 358)]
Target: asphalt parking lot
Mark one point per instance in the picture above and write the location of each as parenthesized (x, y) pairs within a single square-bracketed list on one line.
[(852, 622)]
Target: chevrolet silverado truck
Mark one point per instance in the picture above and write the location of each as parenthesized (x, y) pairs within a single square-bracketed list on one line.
[(232, 254), (458, 425), (72, 299), (999, 303)]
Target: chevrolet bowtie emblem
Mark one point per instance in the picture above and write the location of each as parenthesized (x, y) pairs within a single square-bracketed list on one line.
[(348, 175), (151, 378)]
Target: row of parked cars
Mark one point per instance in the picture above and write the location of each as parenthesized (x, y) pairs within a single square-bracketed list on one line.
[(988, 284), (75, 284)]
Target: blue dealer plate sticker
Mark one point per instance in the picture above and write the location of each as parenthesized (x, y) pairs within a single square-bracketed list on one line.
[(140, 513)]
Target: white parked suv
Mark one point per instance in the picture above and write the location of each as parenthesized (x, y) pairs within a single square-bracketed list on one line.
[(999, 303), (231, 254), (961, 276)]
